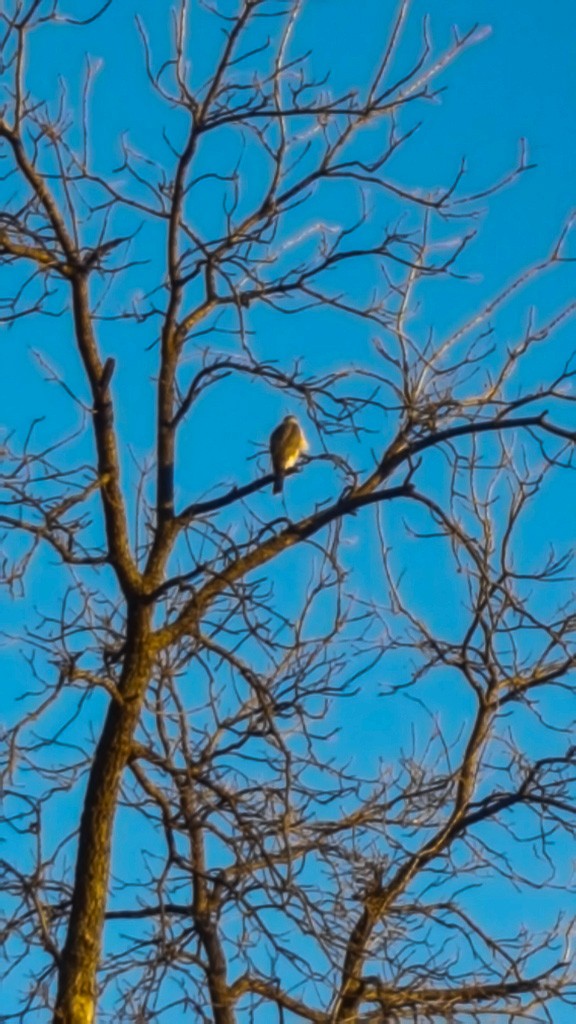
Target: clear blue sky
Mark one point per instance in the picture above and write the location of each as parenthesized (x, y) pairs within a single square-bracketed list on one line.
[(520, 82)]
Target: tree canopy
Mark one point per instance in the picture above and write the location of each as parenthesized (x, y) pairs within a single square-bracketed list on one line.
[(297, 757)]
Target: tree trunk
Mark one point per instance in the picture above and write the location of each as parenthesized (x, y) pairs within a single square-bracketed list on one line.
[(76, 998)]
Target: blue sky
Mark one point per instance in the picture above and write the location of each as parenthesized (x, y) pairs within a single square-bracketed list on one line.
[(519, 82)]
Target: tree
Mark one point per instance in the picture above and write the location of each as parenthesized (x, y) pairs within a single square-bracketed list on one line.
[(198, 825)]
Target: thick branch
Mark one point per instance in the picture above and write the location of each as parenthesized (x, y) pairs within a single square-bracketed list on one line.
[(443, 999), (105, 438), (293, 534)]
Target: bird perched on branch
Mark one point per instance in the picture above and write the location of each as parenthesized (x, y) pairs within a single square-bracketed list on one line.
[(287, 443)]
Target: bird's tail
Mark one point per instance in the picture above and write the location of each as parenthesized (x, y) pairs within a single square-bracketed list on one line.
[(278, 484)]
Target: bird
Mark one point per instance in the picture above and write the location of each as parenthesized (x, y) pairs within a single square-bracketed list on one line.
[(287, 443)]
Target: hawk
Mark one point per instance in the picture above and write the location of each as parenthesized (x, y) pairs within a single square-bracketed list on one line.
[(287, 443)]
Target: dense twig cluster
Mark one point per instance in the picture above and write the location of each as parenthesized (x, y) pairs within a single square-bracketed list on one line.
[(185, 711)]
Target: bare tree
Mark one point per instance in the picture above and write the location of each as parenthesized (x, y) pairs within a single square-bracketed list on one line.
[(195, 828)]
